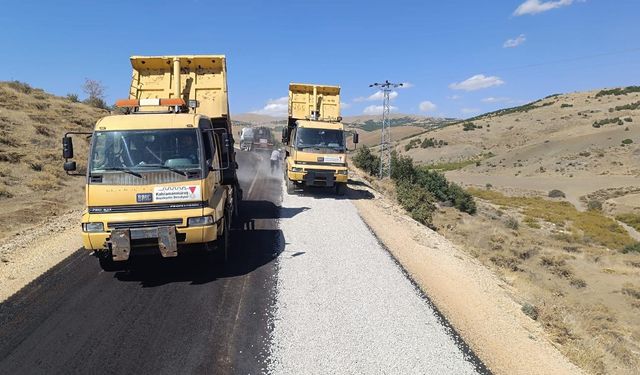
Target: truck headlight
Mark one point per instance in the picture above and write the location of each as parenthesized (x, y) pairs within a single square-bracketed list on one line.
[(200, 221), (92, 227), (344, 172), (296, 169)]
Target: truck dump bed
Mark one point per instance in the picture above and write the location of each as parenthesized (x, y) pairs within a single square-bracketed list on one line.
[(202, 78), (317, 102)]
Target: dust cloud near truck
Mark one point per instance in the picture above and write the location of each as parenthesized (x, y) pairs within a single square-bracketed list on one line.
[(163, 174)]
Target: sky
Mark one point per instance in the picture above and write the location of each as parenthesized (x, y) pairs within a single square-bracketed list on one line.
[(456, 58)]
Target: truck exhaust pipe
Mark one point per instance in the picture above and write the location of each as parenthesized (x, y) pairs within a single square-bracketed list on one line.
[(176, 77)]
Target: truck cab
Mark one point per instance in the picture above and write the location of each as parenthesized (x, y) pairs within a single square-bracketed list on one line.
[(162, 176), (315, 152)]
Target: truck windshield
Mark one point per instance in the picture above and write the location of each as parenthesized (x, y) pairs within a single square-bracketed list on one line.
[(137, 150), (325, 140)]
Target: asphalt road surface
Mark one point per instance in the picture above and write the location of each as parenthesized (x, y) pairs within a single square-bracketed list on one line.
[(308, 289), (163, 317)]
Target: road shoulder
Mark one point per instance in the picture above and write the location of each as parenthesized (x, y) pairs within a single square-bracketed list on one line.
[(473, 299), (33, 251)]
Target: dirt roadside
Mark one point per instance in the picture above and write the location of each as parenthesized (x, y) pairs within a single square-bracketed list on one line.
[(33, 251), (480, 306)]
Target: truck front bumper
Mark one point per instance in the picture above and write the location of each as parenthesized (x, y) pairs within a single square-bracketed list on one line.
[(318, 177)]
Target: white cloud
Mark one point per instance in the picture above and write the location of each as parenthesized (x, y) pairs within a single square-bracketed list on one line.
[(513, 43), (375, 97), (275, 107), (454, 97), (477, 82), (491, 99), (502, 99), (377, 110), (344, 105), (538, 6), (427, 106), (469, 111)]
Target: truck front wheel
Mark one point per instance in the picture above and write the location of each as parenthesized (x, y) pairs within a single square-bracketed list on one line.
[(291, 187), (340, 188)]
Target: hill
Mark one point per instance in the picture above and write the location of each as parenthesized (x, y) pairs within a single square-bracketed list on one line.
[(557, 188), (33, 185), (591, 138), (370, 123)]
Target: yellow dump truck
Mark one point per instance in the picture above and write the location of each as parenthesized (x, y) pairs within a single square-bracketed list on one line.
[(314, 139), (162, 175)]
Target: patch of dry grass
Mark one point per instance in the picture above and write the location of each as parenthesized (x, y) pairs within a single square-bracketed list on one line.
[(32, 123), (632, 220), (586, 227)]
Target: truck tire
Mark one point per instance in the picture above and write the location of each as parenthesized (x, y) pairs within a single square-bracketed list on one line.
[(225, 239), (340, 189), (108, 264), (290, 186)]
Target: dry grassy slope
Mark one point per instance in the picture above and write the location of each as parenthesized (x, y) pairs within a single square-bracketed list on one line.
[(548, 140), (33, 185)]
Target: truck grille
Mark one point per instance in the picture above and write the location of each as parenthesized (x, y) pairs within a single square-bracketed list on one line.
[(320, 171), (143, 223)]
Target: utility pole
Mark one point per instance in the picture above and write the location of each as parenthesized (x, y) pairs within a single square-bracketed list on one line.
[(385, 140)]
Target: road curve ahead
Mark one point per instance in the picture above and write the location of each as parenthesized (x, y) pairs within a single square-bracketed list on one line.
[(163, 317)]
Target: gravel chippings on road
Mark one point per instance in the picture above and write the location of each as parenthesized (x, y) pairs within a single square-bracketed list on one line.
[(343, 305)]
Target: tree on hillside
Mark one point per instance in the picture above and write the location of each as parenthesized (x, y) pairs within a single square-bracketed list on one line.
[(95, 93)]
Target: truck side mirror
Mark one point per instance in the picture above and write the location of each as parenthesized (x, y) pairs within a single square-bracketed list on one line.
[(67, 148), (285, 135), (355, 138), (69, 166)]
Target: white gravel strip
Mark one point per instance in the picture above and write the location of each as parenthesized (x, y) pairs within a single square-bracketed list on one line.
[(344, 307)]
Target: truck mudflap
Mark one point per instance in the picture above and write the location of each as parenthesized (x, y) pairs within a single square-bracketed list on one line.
[(320, 178), (120, 244), (121, 241)]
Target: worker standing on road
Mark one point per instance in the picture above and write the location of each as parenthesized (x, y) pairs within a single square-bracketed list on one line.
[(275, 159)]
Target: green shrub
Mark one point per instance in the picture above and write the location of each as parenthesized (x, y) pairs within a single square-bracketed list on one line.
[(416, 200), (73, 98), (619, 91), (435, 182), (402, 168), (22, 87), (367, 161), (512, 223), (462, 200), (632, 248), (530, 311), (627, 141), (594, 205), (615, 120), (565, 105), (555, 193), (469, 126), (97, 103)]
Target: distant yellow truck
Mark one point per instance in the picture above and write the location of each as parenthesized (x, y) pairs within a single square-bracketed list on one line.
[(163, 175), (314, 139)]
